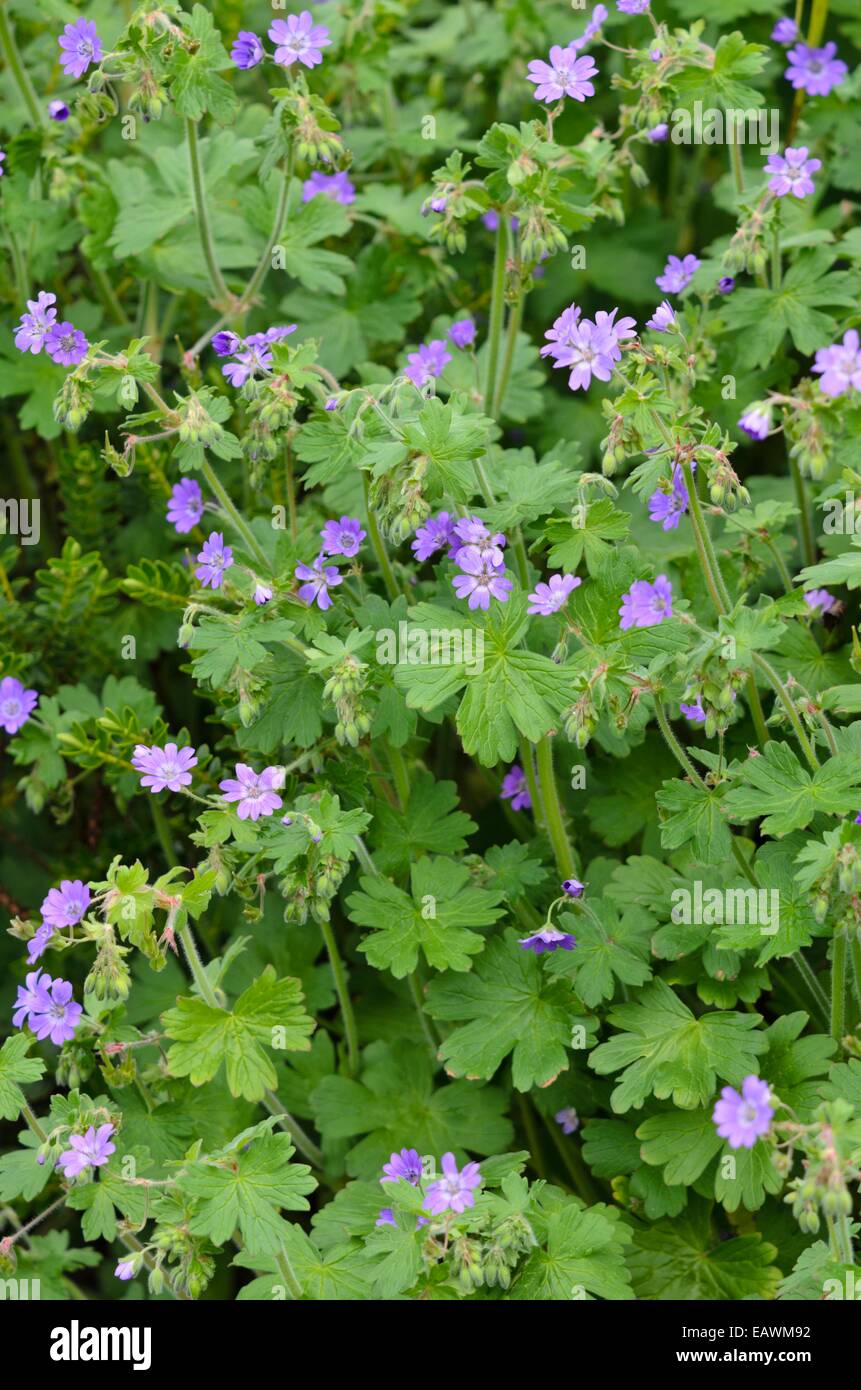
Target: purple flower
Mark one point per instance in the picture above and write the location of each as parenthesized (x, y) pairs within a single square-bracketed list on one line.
[(462, 333), (248, 363), (655, 55), (548, 939), (726, 284), (491, 220), (677, 274), (298, 38), (16, 704), (616, 332), (33, 998), (663, 320), (38, 944), (471, 533), (80, 46), (58, 111), (695, 714), (125, 1270), (515, 789), (792, 173), (840, 366), (436, 534), (819, 600), (35, 326), (386, 1217), (756, 420), (645, 604), (565, 75), (318, 580), (185, 507), (632, 6), (454, 1191), (225, 344), (669, 507), (89, 1150), (568, 1120), (254, 791), (659, 133), (407, 1164), (2, 157), (66, 344), (815, 70), (160, 768), (562, 337), (262, 593), (742, 1119), (428, 362), (785, 31), (335, 186), (66, 905), (593, 353), (247, 50), (213, 560), (549, 598), (343, 537), (481, 580), (573, 888), (59, 1016)]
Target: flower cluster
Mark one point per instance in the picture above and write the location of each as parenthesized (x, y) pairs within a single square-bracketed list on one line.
[(38, 329), (297, 39), (16, 704), (46, 1006), (167, 768), (477, 552), (589, 347), (251, 356), (816, 71), (80, 47)]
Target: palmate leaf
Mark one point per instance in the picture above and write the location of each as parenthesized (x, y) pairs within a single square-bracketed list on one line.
[(245, 1191), (514, 1007), (778, 788), (436, 917), (396, 1097), (16, 1067), (590, 538), (609, 949), (207, 1036), (694, 817), (584, 1251), (429, 824), (336, 1275), (687, 1259), (666, 1051)]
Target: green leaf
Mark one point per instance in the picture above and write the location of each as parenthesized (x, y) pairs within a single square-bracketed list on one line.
[(515, 1008), (664, 1050), (15, 1067), (584, 1251), (778, 788), (196, 87), (428, 825), (687, 1259), (589, 534), (435, 918), (245, 1191), (269, 1011), (608, 949), (694, 817)]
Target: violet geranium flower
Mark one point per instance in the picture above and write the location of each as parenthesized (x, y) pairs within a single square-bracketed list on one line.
[(66, 905), (817, 71), (427, 363), (632, 6), (663, 320), (658, 133), (677, 274), (168, 767), (185, 507), (549, 598), (756, 420), (90, 1150), (66, 344), (645, 604), (213, 560), (462, 333), (695, 714), (565, 75), (669, 507), (33, 998), (454, 1191), (36, 324), (785, 31), (58, 111), (515, 789), (573, 888), (548, 939), (437, 533), (299, 39), (337, 187), (407, 1165), (592, 354), (247, 50), (343, 537), (16, 704), (125, 1270), (81, 46), (820, 602), (59, 1017), (562, 337), (38, 944), (481, 580), (225, 344), (568, 1120), (254, 791), (742, 1119), (791, 173), (318, 579), (840, 366)]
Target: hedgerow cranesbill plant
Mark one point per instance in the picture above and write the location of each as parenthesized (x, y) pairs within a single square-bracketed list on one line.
[(431, 766)]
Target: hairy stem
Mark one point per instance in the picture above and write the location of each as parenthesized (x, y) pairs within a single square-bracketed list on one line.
[(239, 525), (201, 208), (554, 820), (838, 987), (344, 1000), (378, 544), (20, 75), (497, 310)]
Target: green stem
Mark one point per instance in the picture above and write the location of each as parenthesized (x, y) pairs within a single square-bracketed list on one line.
[(855, 948), (241, 526), (304, 1143), (776, 263), (531, 1131), (791, 712), (811, 983), (757, 715), (838, 987), (33, 1123), (196, 966), (805, 524), (265, 261), (497, 309), (400, 774), (737, 167), (515, 315), (379, 545), (418, 1000), (344, 999), (780, 566), (21, 77), (708, 559), (285, 1269), (220, 290), (528, 766), (552, 809), (162, 830), (291, 495), (569, 1152)]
